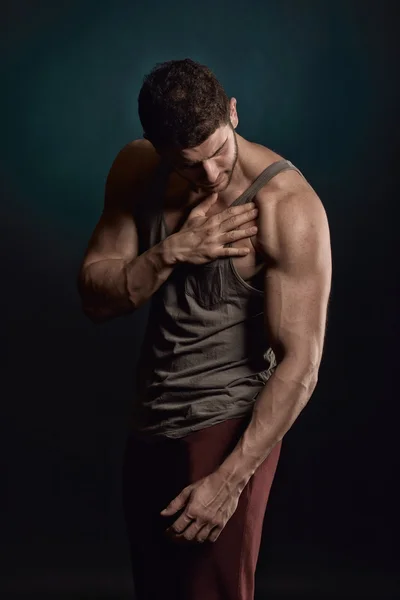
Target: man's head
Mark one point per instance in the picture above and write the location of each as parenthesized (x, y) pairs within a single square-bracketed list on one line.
[(189, 119)]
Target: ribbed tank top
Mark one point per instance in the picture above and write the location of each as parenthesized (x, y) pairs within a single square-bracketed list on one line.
[(205, 355)]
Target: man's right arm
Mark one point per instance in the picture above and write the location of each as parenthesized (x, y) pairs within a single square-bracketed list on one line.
[(113, 280)]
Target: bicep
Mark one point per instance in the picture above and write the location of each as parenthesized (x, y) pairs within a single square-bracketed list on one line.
[(298, 280)]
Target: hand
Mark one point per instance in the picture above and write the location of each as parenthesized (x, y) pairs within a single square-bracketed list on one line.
[(201, 239), (210, 503)]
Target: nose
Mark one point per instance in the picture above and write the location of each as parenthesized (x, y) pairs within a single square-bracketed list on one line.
[(210, 172)]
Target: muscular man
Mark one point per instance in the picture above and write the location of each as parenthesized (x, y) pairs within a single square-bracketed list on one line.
[(232, 246)]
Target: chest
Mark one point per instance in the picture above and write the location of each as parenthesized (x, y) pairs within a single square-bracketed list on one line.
[(247, 267)]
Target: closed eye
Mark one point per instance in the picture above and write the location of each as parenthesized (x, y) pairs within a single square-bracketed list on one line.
[(195, 165)]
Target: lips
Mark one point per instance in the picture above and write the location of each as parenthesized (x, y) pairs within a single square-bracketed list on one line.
[(210, 187)]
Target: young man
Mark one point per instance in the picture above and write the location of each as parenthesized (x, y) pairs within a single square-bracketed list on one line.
[(232, 245)]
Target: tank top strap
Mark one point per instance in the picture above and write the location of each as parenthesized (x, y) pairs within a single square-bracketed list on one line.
[(263, 179)]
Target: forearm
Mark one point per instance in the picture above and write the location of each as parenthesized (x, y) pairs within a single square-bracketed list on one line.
[(277, 407), (113, 287)]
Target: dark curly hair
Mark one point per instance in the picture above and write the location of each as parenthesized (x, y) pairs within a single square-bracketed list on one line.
[(181, 103)]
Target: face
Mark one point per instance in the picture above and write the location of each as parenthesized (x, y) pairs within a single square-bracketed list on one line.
[(210, 165)]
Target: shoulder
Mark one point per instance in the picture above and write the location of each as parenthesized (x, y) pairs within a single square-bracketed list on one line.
[(130, 172), (135, 162), (291, 217)]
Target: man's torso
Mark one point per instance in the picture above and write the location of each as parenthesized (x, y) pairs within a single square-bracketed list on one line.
[(178, 197)]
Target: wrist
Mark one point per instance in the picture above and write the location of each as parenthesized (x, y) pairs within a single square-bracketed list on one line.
[(235, 471), (170, 253)]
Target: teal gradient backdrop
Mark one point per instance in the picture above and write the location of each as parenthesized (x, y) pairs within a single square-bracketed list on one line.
[(308, 81), (314, 81)]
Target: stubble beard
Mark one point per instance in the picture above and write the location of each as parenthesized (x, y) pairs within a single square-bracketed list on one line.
[(231, 170)]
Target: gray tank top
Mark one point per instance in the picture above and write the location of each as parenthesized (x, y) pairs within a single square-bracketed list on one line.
[(205, 355)]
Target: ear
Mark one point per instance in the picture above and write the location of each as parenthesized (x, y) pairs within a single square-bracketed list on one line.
[(233, 113)]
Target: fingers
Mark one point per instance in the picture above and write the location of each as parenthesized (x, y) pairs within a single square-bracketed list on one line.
[(204, 533), (195, 533), (238, 234), (229, 221), (236, 251), (180, 524)]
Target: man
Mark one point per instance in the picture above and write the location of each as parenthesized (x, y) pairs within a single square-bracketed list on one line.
[(232, 245)]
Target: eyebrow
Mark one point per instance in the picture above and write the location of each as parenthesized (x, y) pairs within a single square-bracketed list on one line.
[(197, 162)]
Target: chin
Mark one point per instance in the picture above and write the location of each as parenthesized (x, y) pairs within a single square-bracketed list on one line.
[(213, 188)]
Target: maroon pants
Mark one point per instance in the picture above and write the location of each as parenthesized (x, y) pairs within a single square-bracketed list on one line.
[(153, 475)]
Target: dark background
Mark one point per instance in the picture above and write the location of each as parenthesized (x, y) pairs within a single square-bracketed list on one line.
[(315, 81)]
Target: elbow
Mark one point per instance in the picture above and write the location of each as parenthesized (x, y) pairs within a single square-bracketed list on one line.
[(95, 313), (96, 305)]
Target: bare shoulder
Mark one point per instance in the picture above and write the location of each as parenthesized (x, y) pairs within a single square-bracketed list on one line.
[(131, 169), (290, 213)]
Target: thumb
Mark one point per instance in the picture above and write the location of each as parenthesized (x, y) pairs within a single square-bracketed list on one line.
[(178, 502)]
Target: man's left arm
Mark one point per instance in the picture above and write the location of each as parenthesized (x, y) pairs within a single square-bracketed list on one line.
[(293, 234)]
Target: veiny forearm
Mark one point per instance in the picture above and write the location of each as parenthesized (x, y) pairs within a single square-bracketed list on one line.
[(113, 287), (277, 407)]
